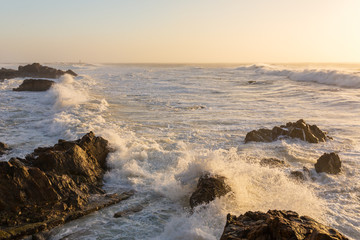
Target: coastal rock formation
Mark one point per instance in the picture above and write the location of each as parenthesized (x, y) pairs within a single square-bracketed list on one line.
[(53, 185), (34, 70), (329, 163), (299, 129), (6, 73), (3, 148), (277, 225), (273, 162), (35, 85), (208, 188)]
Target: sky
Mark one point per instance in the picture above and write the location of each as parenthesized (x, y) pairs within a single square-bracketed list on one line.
[(184, 31)]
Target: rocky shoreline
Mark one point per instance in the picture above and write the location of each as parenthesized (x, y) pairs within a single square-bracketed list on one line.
[(34, 70), (53, 185)]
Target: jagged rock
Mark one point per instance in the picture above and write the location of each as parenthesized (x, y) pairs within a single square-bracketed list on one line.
[(329, 163), (277, 225), (299, 129), (128, 211), (3, 148), (34, 70), (35, 85), (208, 188), (273, 162), (53, 185)]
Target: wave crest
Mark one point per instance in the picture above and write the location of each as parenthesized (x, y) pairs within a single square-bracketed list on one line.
[(323, 76)]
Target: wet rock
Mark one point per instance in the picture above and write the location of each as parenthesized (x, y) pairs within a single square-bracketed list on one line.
[(208, 188), (261, 135), (7, 73), (328, 163), (128, 211), (53, 185), (299, 129), (35, 85), (297, 175), (277, 225), (3, 148), (273, 162), (34, 70)]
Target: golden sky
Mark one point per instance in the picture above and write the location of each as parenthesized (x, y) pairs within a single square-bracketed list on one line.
[(202, 31)]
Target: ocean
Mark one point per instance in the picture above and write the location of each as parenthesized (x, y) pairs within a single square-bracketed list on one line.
[(169, 123)]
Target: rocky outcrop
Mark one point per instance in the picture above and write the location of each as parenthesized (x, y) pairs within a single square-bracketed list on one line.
[(3, 148), (53, 185), (35, 85), (277, 225), (208, 188), (273, 162), (328, 163), (34, 70), (6, 73), (299, 129)]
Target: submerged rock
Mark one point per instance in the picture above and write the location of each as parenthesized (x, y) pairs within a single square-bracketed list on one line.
[(277, 225), (299, 129), (34, 70), (53, 185), (208, 188), (35, 85), (297, 175), (128, 211), (3, 148), (273, 162), (328, 163)]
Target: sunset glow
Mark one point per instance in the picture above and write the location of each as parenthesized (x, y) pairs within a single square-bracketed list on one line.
[(180, 31)]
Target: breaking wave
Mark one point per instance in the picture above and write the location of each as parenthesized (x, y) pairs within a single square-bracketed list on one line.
[(323, 76)]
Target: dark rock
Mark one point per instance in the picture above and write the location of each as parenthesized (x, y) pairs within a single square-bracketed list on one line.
[(297, 175), (7, 73), (273, 162), (261, 135), (53, 185), (128, 211), (329, 163), (277, 225), (208, 188), (299, 129), (35, 85), (34, 70), (3, 148)]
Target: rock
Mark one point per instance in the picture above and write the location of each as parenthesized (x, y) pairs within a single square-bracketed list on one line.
[(7, 73), (53, 185), (35, 85), (128, 211), (208, 188), (34, 70), (277, 225), (273, 162), (3, 148), (299, 129), (329, 163), (297, 175)]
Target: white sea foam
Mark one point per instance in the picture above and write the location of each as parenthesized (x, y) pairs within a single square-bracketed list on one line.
[(324, 76), (161, 153), (68, 93)]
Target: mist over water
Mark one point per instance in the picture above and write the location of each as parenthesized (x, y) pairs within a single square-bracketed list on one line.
[(170, 123)]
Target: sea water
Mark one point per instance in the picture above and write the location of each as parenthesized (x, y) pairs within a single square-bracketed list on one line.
[(169, 124)]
